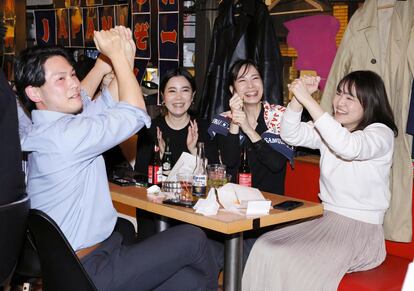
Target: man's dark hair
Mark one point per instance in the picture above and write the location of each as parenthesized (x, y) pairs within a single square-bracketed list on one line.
[(29, 69)]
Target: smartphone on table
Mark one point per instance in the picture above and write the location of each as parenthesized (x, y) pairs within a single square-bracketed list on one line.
[(288, 205), (124, 182)]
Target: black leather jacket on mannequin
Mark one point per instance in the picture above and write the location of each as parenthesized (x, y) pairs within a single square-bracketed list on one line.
[(249, 35)]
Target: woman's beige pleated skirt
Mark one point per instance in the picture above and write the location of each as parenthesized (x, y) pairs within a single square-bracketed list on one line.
[(313, 255)]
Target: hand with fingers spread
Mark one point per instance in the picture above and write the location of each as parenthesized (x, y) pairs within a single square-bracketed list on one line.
[(161, 142), (192, 137)]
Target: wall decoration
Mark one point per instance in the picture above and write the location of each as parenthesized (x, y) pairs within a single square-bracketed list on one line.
[(75, 24), (168, 37), (72, 3), (8, 43), (141, 6), (122, 15), (8, 61), (90, 20), (106, 17), (141, 31), (93, 2), (314, 38), (9, 39), (45, 27), (76, 27), (62, 27)]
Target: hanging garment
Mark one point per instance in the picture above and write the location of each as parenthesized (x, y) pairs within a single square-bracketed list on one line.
[(11, 174), (250, 35), (410, 119), (314, 37), (360, 49)]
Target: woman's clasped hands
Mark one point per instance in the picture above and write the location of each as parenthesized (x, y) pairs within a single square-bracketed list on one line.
[(303, 87)]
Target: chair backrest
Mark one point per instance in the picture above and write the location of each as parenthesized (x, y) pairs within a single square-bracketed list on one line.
[(13, 223), (61, 268)]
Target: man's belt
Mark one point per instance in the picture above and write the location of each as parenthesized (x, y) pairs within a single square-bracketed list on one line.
[(86, 251)]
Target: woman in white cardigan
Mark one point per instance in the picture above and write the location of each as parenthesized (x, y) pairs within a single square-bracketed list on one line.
[(356, 146)]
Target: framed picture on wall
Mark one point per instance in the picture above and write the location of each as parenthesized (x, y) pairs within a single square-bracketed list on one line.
[(93, 2), (38, 2)]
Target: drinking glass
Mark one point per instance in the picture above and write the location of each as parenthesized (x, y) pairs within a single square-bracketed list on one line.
[(216, 176), (186, 182)]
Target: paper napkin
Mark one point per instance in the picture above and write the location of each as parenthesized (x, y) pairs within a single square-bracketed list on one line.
[(258, 207), (208, 206)]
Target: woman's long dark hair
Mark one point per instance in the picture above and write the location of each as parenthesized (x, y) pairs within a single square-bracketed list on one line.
[(371, 93)]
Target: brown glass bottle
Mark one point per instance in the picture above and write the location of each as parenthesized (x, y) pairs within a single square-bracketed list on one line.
[(166, 160), (244, 176), (154, 167)]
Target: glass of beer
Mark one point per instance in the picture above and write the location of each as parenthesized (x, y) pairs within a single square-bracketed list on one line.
[(216, 176), (186, 182)]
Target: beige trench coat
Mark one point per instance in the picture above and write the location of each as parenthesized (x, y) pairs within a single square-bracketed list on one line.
[(359, 50)]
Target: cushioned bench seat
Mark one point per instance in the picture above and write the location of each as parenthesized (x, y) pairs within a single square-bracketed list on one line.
[(389, 276)]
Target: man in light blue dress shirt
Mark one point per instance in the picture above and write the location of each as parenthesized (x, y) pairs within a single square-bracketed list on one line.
[(67, 177)]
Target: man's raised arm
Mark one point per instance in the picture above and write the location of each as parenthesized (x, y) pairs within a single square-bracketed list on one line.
[(117, 48)]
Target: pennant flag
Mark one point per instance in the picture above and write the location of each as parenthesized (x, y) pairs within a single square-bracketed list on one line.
[(163, 67), (141, 6), (62, 27), (8, 66), (168, 5), (142, 34), (9, 40), (140, 66), (122, 15), (76, 27), (90, 20), (106, 17), (45, 27), (93, 2), (168, 36)]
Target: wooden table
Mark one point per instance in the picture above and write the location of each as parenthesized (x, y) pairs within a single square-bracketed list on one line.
[(233, 225)]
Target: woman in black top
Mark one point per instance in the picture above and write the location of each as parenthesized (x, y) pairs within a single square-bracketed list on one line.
[(268, 167), (177, 88)]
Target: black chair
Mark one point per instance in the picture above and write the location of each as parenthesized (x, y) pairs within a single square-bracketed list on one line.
[(61, 268), (13, 223), (28, 270)]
